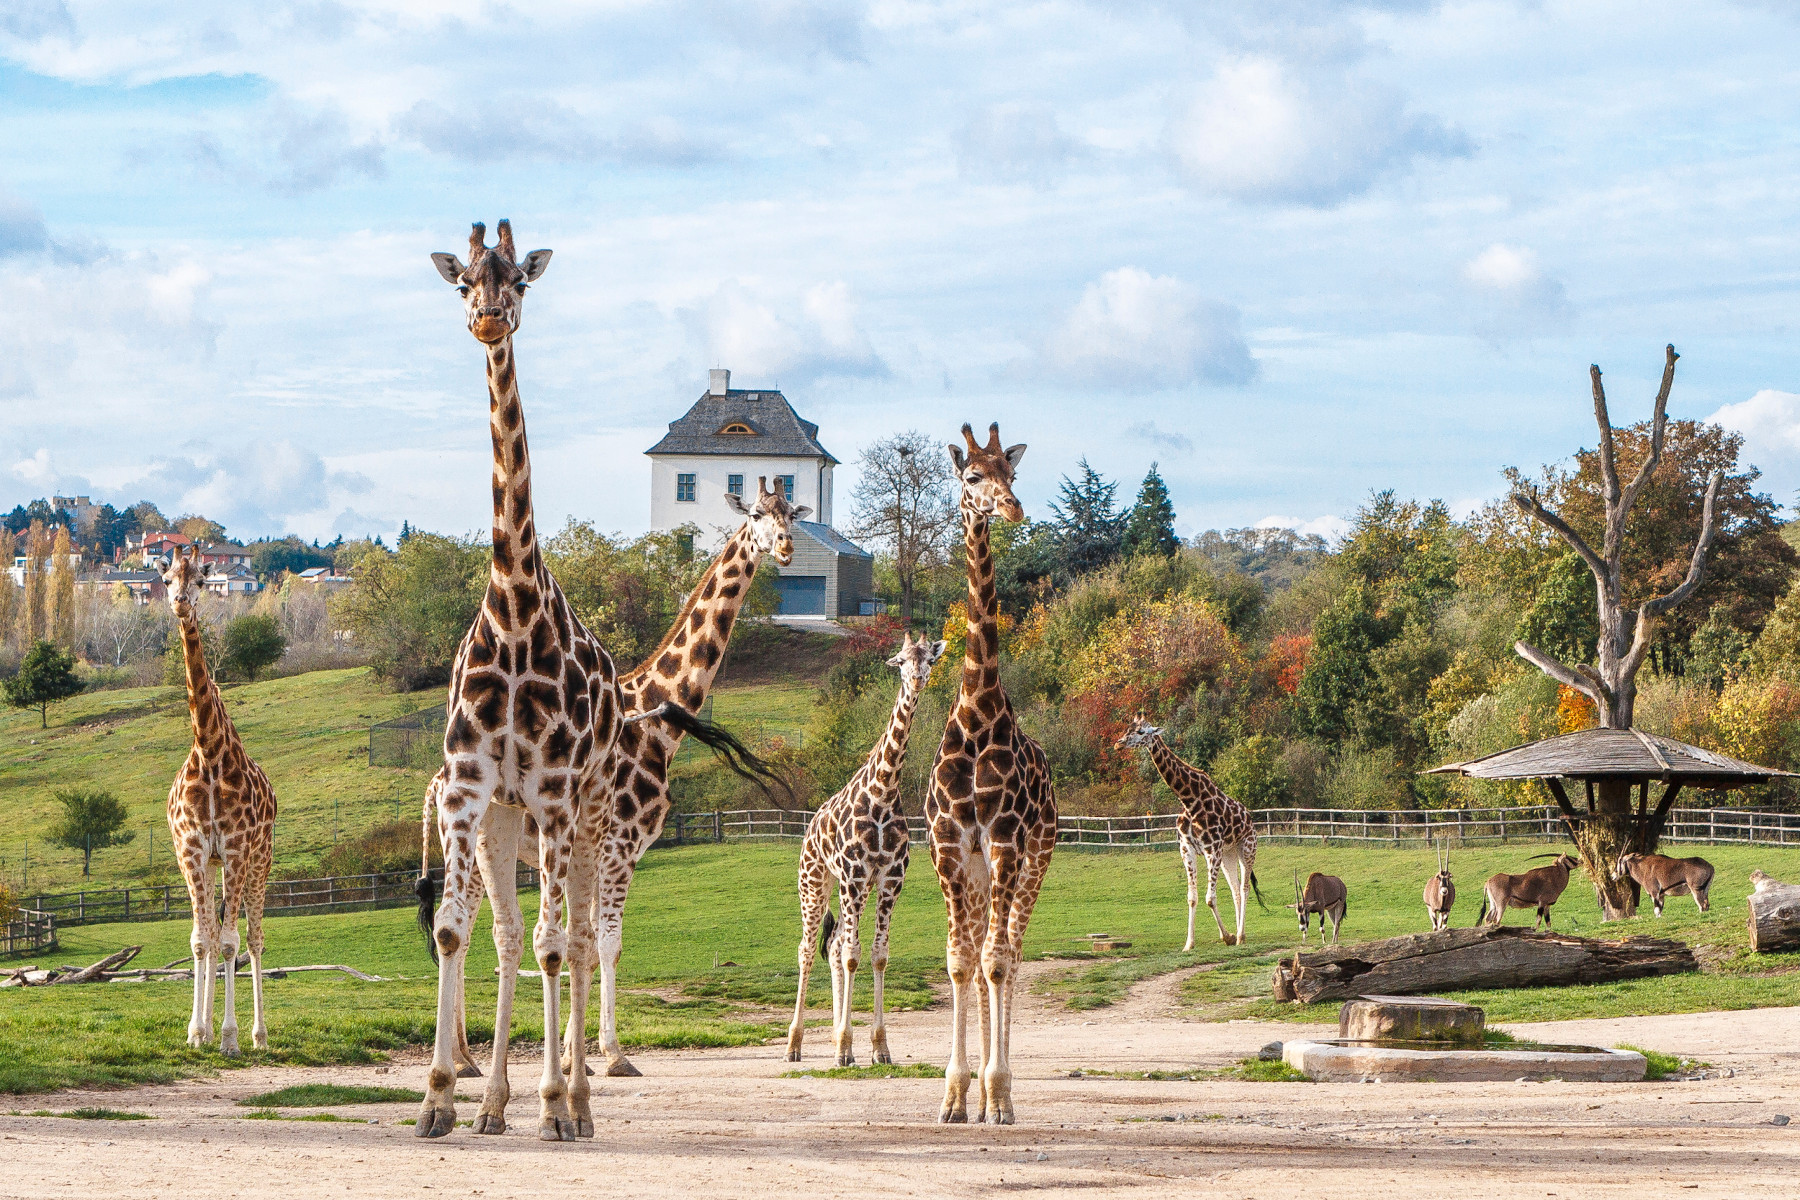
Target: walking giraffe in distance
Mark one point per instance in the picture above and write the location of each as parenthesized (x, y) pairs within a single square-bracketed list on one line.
[(1212, 826), (990, 809), (533, 710), (858, 839), (221, 815)]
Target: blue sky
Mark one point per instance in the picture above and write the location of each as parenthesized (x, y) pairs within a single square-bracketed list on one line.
[(1292, 256)]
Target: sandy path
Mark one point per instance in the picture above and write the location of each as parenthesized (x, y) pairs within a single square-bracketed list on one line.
[(724, 1123)]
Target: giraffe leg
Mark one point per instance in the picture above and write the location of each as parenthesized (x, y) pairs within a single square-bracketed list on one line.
[(965, 899), (464, 1058), (253, 915), (1029, 878), (846, 952), (814, 900), (583, 958), (202, 940), (235, 870), (998, 971), (1235, 880), (1212, 894), (459, 814), (878, 960), (496, 851), (1191, 866), (550, 942)]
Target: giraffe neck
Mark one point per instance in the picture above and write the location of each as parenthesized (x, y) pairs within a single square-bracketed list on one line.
[(981, 650), (691, 653), (889, 754), (206, 710), (515, 564), (1186, 780)]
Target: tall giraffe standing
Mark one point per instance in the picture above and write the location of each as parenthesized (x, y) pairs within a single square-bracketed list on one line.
[(533, 710), (991, 807), (221, 813), (1212, 825), (858, 838)]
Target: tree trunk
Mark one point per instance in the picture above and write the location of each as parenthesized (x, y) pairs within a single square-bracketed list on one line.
[(1775, 917), (1610, 830)]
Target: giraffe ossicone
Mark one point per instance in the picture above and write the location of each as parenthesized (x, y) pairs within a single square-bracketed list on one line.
[(1212, 826), (858, 840), (221, 814)]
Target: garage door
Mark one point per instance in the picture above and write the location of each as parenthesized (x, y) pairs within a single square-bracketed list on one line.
[(801, 595)]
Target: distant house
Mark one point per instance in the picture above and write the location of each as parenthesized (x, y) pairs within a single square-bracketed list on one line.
[(17, 570), (224, 554), (323, 577), (144, 586), (234, 580), (721, 446), (82, 512), (154, 545)]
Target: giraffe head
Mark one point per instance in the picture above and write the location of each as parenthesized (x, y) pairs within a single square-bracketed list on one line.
[(1138, 733), (770, 520), (915, 660), (987, 474), (493, 284), (184, 577)]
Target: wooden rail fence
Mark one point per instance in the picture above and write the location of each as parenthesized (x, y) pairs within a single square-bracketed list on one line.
[(27, 931)]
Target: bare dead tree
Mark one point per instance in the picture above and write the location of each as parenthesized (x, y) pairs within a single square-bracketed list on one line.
[(906, 505), (1610, 681)]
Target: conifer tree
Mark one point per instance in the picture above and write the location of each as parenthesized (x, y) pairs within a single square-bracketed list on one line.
[(1088, 528), (1150, 527)]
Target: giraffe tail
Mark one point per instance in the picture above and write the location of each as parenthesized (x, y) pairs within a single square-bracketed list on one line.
[(825, 933), (1258, 891), (741, 760), (425, 889)]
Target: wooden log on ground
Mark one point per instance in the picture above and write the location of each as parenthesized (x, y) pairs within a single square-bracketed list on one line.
[(98, 970), (1774, 915), (1486, 956)]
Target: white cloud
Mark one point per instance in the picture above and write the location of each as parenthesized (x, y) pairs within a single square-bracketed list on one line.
[(784, 339), (1262, 129), (1512, 293), (254, 488), (1132, 329), (1770, 423), (1149, 431), (1014, 143), (1331, 528)]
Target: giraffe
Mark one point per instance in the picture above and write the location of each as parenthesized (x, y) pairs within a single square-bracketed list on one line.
[(991, 808), (659, 699), (221, 813), (1211, 825), (858, 839), (533, 709)]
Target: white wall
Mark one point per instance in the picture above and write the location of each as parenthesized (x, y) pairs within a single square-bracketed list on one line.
[(708, 509)]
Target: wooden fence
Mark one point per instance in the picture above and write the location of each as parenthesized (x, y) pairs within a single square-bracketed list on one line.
[(27, 931)]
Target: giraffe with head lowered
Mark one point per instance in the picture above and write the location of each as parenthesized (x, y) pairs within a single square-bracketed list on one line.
[(991, 809), (857, 839), (533, 710), (221, 816), (1212, 826)]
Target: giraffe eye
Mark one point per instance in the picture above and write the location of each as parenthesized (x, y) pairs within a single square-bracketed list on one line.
[(462, 289)]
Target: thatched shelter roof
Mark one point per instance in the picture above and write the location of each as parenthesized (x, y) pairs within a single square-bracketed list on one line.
[(1628, 754)]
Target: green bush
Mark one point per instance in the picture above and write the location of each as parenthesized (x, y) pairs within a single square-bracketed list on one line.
[(1251, 772)]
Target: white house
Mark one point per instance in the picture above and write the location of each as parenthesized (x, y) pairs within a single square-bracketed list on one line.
[(722, 445)]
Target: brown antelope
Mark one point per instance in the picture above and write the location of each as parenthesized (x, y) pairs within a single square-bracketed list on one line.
[(1323, 894), (1537, 888), (1440, 891), (1664, 877)]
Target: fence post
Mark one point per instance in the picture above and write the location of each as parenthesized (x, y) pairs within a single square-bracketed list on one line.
[(718, 826), (1712, 826)]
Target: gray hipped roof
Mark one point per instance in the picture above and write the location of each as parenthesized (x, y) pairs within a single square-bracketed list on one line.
[(779, 430), (1614, 754), (831, 539)]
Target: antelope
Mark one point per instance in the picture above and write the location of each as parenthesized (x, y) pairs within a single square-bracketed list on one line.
[(1537, 888), (1323, 894), (1663, 877), (1440, 891)]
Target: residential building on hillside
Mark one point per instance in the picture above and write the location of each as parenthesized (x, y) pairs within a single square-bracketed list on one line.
[(143, 586), (237, 579), (324, 577), (82, 512), (721, 446), (152, 545), (17, 570)]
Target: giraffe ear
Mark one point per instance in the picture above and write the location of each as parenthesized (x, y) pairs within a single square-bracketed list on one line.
[(449, 266), (937, 651), (801, 513), (956, 456), (736, 504), (1014, 454), (534, 264)]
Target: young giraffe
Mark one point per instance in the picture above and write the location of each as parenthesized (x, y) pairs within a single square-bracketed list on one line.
[(1211, 825), (858, 839), (612, 837), (221, 812), (533, 710), (991, 808)]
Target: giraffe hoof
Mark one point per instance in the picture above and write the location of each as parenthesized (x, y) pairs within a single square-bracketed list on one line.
[(584, 1127), (435, 1123), (260, 1041), (952, 1116), (621, 1068), (468, 1071), (793, 1056), (196, 1039), (556, 1129), (846, 1060), (228, 1045), (885, 1059), (490, 1123), (1003, 1117)]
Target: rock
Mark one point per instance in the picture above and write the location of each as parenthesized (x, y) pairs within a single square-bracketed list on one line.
[(1269, 1053), (1410, 1019), (1779, 1119)]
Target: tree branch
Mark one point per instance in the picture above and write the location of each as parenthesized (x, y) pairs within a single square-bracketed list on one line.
[(1609, 468), (1587, 685), (1709, 528), (1528, 503), (1657, 425)]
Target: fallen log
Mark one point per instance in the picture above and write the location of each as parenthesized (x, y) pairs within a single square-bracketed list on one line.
[(91, 973), (1774, 915), (1483, 957)]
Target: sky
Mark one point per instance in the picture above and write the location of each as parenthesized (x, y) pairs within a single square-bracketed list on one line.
[(1291, 252)]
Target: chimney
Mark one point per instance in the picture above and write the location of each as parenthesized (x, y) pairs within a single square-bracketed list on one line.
[(721, 382)]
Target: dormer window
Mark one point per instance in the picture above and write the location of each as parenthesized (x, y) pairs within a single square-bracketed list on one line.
[(737, 428)]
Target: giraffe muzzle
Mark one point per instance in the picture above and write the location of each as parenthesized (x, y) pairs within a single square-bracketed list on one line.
[(490, 329)]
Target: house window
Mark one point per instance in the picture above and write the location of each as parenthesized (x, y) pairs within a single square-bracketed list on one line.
[(684, 487), (786, 483), (734, 484), (738, 429)]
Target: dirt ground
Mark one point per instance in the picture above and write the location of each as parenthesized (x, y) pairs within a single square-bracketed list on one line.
[(724, 1123)]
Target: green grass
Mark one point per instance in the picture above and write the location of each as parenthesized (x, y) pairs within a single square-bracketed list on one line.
[(94, 1114), (1661, 1066), (269, 1114), (916, 1070), (714, 930), (1245, 1070), (323, 1095)]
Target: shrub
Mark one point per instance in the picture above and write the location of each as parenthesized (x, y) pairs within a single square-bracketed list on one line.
[(410, 608), (1366, 779), (91, 820), (1251, 773), (46, 675), (252, 642)]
